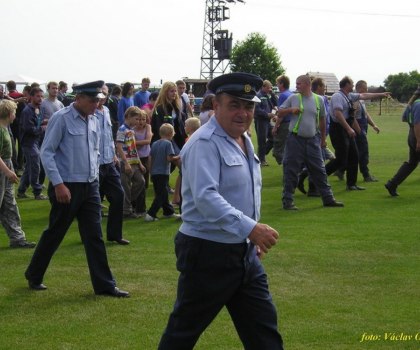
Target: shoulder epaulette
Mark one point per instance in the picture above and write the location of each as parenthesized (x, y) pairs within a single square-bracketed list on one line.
[(207, 132)]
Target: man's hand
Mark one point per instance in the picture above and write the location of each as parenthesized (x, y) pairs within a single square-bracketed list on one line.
[(375, 127), (62, 193), (295, 110), (11, 175), (351, 132), (263, 236)]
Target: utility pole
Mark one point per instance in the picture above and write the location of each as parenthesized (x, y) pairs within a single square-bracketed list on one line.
[(217, 44)]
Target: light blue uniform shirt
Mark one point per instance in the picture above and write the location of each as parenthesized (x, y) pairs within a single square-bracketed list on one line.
[(70, 150), (106, 144), (221, 186), (340, 101)]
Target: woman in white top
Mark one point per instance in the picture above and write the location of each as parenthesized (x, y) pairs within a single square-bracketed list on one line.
[(206, 109)]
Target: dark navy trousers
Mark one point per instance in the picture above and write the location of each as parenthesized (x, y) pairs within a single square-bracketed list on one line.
[(346, 153), (161, 200), (85, 205), (363, 150), (214, 275), (301, 150), (264, 137), (110, 186), (413, 160)]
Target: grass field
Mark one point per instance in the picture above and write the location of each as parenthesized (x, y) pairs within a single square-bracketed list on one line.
[(336, 274)]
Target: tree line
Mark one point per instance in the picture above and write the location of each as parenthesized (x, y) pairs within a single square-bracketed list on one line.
[(255, 55)]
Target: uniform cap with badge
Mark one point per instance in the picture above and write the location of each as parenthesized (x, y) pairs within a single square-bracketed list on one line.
[(241, 85), (91, 89)]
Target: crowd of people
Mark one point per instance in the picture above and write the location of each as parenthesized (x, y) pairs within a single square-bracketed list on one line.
[(94, 144)]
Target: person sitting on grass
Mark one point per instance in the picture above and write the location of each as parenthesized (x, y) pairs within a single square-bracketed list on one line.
[(161, 156), (131, 168), (9, 212)]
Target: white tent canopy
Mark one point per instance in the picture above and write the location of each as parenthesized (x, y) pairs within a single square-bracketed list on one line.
[(20, 79)]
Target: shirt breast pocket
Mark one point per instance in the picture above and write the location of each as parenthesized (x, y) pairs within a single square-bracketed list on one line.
[(79, 153), (235, 171), (78, 136)]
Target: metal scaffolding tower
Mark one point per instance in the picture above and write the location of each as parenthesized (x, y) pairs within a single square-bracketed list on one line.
[(217, 44)]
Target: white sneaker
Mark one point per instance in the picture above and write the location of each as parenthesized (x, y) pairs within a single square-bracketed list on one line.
[(149, 218), (176, 216)]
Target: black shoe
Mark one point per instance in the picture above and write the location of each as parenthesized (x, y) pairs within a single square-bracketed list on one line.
[(22, 244), (116, 293), (391, 189), (334, 204), (36, 286), (355, 188), (121, 241), (290, 206), (370, 178)]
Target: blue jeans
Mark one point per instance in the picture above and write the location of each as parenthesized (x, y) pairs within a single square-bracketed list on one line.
[(30, 176)]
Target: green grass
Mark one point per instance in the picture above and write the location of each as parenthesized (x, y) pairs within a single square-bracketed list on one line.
[(335, 274)]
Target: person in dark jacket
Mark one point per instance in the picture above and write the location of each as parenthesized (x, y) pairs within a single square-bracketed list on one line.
[(262, 117), (112, 104), (167, 109), (30, 136)]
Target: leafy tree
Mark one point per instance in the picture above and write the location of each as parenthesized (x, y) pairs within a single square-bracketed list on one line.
[(255, 55), (402, 85)]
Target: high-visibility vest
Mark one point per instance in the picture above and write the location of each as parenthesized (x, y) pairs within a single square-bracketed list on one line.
[(318, 109)]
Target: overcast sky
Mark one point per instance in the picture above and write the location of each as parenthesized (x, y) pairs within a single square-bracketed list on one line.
[(125, 40)]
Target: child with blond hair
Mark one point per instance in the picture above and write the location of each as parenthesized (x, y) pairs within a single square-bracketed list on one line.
[(132, 178), (143, 135), (162, 155)]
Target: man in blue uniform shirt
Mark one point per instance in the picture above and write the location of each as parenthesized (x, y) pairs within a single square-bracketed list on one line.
[(70, 154), (220, 241)]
